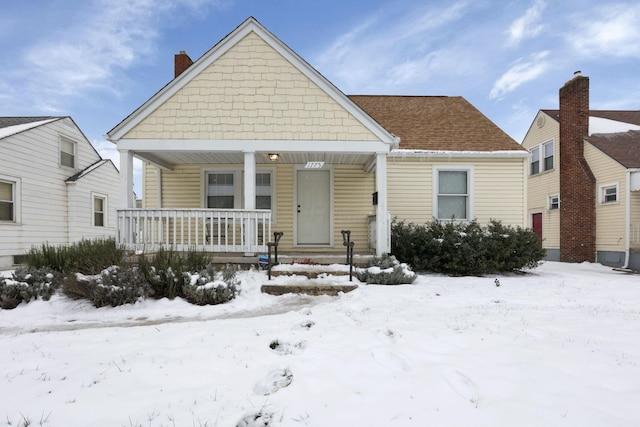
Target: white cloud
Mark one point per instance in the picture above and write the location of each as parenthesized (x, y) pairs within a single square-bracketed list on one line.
[(521, 72), (610, 30), (527, 26)]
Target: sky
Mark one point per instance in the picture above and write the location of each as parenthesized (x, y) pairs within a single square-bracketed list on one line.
[(98, 60), (557, 346)]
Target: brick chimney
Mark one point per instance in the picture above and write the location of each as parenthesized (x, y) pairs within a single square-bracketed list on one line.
[(577, 182), (181, 63)]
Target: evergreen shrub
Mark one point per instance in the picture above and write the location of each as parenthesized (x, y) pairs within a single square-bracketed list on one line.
[(465, 248), (166, 271), (386, 270), (210, 287), (86, 256), (27, 283)]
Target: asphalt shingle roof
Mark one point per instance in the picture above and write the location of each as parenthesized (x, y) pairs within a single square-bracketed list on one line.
[(13, 121), (623, 147), (436, 123), (625, 116)]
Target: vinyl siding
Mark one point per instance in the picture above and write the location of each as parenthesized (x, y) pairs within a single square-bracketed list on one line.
[(497, 189), (33, 157), (251, 92), (610, 217), (544, 184)]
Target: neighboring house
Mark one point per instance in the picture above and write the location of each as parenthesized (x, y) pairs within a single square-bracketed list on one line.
[(250, 139), (584, 180), (54, 186)]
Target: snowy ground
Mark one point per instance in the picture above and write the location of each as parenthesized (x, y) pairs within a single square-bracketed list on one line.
[(556, 347)]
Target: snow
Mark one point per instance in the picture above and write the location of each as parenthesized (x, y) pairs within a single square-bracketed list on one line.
[(556, 346), (601, 125), (12, 130)]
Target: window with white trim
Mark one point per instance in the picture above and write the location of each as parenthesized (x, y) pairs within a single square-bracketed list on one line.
[(452, 198), (7, 201), (67, 152), (554, 202), (609, 193), (545, 152), (263, 190), (99, 210), (221, 190)]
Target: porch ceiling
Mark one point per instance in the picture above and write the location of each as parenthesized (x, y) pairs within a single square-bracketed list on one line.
[(170, 159)]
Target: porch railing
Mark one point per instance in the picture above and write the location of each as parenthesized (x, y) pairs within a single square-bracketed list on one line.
[(212, 230)]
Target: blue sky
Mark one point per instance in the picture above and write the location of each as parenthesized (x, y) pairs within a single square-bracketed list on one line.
[(98, 60)]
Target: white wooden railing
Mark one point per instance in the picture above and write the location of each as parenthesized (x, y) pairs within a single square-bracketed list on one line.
[(211, 230)]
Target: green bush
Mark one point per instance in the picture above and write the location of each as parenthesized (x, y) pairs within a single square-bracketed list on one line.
[(465, 248), (165, 271), (210, 287), (86, 256), (27, 283), (386, 270)]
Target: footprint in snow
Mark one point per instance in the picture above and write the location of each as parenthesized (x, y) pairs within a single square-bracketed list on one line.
[(256, 419), (388, 359), (461, 384), (285, 347), (274, 381)]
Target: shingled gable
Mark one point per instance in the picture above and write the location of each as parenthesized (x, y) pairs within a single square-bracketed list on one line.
[(437, 123), (251, 25)]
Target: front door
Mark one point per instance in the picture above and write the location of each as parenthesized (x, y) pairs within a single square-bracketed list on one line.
[(313, 207), (536, 224)]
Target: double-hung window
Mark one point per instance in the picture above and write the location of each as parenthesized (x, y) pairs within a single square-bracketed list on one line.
[(263, 190), (7, 201), (99, 210), (221, 190), (609, 193), (554, 202), (541, 158), (67, 152), (452, 195)]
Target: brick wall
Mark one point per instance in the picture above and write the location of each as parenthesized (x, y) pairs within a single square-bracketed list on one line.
[(577, 183)]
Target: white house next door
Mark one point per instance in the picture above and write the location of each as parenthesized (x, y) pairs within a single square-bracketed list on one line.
[(313, 200)]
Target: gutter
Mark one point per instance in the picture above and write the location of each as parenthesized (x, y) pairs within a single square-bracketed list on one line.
[(436, 154)]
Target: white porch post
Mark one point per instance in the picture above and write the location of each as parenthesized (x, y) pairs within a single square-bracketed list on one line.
[(249, 195), (382, 226), (126, 179)]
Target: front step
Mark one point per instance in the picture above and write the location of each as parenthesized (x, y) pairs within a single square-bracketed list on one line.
[(307, 288), (314, 279)]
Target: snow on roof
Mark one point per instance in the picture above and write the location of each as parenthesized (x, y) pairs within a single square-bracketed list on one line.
[(601, 125), (12, 130)]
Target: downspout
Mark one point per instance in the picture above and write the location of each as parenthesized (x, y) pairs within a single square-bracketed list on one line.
[(159, 173), (627, 219)]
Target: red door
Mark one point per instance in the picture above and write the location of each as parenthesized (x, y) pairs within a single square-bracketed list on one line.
[(536, 222)]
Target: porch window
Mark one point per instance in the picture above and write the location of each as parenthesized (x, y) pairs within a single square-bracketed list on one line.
[(67, 152), (220, 190), (7, 201), (452, 197), (99, 210), (609, 193), (263, 190)]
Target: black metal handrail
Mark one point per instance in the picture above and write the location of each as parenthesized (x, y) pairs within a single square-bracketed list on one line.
[(346, 241), (276, 239)]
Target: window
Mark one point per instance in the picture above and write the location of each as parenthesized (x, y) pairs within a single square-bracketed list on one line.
[(535, 160), (548, 155), (546, 150), (554, 202), (609, 193), (263, 190), (452, 197), (220, 190), (99, 211), (67, 152), (7, 201)]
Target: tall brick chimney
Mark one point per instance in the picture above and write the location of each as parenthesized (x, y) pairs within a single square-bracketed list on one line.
[(577, 182), (181, 63)]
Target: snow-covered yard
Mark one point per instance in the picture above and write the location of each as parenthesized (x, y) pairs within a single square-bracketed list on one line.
[(559, 346)]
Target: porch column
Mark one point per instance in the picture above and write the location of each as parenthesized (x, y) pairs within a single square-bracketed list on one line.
[(249, 196), (126, 179), (382, 226)]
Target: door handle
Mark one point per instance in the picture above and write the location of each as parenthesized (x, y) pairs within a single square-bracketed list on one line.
[(298, 208)]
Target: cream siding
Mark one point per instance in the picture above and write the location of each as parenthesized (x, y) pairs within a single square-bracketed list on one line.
[(251, 92), (547, 183), (32, 157), (610, 217), (150, 188), (497, 189)]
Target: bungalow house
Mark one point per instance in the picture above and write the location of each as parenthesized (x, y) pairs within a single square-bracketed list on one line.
[(54, 186), (250, 139), (584, 180)]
